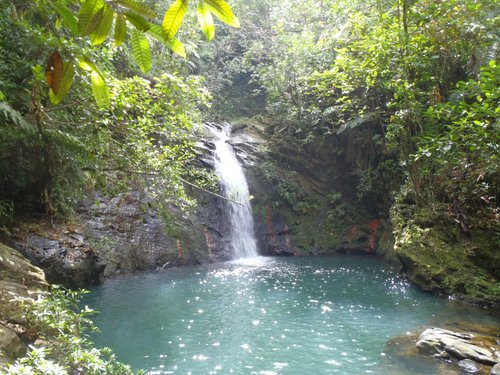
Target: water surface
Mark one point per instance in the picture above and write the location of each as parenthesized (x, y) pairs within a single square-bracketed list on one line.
[(318, 315)]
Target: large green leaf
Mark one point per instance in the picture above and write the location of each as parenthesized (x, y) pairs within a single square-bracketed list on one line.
[(103, 28), (176, 46), (223, 11), (157, 32), (139, 22), (173, 18), (68, 18), (137, 7), (206, 20), (140, 50), (88, 11), (173, 44), (65, 85), (120, 29), (99, 88), (94, 22)]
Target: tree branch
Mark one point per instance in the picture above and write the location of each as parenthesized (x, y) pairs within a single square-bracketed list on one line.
[(180, 178)]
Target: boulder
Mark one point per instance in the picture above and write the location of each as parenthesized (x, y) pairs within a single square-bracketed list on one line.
[(442, 342), (65, 257), (18, 277), (495, 370)]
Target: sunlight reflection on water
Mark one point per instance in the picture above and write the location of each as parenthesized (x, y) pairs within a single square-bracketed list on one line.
[(267, 315)]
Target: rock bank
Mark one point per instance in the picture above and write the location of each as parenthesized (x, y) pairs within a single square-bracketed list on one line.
[(18, 277)]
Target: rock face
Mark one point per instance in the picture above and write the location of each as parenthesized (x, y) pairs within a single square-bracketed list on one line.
[(438, 256), (469, 366), (305, 196), (128, 235), (123, 234), (18, 277), (443, 343), (65, 256)]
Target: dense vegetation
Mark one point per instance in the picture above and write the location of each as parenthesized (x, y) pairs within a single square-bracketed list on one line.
[(426, 71), (56, 141)]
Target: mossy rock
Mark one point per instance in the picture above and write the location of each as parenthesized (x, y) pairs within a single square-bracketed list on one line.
[(437, 256)]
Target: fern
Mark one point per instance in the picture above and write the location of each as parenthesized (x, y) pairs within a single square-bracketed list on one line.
[(16, 117)]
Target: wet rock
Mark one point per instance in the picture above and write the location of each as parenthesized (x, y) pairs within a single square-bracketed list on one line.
[(128, 234), (458, 345), (495, 370), (469, 366)]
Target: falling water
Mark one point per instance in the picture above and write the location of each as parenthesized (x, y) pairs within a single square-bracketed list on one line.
[(235, 188)]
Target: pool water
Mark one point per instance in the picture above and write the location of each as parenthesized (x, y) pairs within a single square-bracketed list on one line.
[(315, 315)]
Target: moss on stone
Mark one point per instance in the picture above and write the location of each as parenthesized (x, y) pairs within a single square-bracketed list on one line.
[(438, 256)]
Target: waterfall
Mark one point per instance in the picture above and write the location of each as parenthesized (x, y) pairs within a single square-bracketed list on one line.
[(234, 187)]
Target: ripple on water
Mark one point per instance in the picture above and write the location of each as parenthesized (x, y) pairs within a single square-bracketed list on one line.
[(267, 316)]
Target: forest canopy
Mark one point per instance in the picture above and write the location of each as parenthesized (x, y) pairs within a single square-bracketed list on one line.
[(425, 70)]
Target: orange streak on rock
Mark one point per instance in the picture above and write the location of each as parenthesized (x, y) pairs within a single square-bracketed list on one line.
[(210, 243), (269, 224), (180, 253)]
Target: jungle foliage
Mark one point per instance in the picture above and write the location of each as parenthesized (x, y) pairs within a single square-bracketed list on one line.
[(112, 127), (424, 71), (57, 320)]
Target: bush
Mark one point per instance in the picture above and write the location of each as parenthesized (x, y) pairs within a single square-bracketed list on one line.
[(60, 326)]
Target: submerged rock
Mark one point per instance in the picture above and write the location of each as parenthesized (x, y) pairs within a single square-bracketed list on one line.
[(495, 370), (443, 343)]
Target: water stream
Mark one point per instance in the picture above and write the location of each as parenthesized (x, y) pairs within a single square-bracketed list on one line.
[(234, 186)]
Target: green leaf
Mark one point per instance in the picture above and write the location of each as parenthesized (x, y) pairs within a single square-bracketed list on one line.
[(173, 18), (58, 23), (99, 87), (88, 11), (137, 7), (140, 50), (206, 20), (176, 46), (65, 85), (16, 117), (120, 29), (103, 28), (67, 17), (139, 22), (223, 11), (94, 22), (157, 32)]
